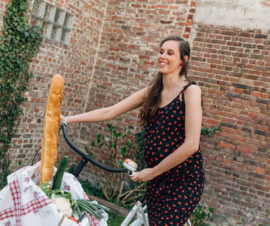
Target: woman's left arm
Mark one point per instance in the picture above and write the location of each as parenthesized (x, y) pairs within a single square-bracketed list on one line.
[(193, 121)]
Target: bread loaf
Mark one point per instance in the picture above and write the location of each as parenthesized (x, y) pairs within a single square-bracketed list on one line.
[(50, 129)]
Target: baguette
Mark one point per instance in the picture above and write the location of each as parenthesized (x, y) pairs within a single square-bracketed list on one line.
[(50, 129)]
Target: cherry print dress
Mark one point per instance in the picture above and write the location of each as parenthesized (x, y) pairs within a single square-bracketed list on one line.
[(173, 195)]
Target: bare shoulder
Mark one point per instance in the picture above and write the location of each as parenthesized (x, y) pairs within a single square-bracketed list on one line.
[(193, 89), (193, 93)]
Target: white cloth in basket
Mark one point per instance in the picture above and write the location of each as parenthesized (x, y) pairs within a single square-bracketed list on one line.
[(23, 203)]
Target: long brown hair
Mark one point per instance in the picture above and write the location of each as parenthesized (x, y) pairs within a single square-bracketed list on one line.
[(153, 99)]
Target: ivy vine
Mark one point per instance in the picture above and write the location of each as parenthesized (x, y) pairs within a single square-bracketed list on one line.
[(215, 129), (19, 43)]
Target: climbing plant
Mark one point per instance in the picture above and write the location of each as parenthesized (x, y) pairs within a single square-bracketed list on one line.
[(215, 129), (19, 43)]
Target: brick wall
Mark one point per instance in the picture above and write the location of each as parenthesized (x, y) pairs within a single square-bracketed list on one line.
[(233, 71), (126, 61), (112, 54), (74, 63)]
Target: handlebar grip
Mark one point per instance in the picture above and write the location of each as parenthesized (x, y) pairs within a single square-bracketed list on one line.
[(62, 122)]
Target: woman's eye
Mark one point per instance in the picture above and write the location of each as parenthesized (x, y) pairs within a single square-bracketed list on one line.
[(161, 52)]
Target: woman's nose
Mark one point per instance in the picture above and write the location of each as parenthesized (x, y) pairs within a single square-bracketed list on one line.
[(162, 56)]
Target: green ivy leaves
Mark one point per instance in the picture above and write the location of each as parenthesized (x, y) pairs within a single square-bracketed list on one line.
[(19, 44), (210, 132)]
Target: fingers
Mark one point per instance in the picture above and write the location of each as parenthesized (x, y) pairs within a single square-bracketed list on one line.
[(63, 119), (136, 179)]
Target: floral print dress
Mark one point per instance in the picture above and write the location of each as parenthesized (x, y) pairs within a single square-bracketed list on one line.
[(173, 195)]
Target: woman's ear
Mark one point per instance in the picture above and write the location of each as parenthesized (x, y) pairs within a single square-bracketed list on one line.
[(186, 58)]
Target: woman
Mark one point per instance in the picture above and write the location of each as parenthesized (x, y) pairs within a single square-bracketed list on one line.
[(172, 111)]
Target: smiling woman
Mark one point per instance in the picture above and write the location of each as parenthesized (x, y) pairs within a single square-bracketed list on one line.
[(173, 116), (173, 61), (172, 111)]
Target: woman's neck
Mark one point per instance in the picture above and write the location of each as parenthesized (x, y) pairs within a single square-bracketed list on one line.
[(172, 82)]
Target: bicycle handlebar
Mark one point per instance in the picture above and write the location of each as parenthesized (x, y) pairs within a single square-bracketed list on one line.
[(85, 155)]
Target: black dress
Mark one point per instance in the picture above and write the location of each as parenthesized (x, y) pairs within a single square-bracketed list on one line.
[(173, 195)]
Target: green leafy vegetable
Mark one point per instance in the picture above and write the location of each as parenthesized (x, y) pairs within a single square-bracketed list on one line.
[(78, 206)]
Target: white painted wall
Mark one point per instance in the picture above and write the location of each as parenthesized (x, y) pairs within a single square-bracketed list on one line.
[(245, 14)]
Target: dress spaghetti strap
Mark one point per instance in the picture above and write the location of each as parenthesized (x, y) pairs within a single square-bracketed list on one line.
[(183, 93)]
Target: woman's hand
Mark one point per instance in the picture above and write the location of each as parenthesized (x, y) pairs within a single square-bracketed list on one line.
[(144, 175), (64, 119)]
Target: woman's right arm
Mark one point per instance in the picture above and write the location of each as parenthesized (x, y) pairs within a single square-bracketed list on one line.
[(134, 101)]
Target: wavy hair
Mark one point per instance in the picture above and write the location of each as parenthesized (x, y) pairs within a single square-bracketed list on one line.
[(153, 99)]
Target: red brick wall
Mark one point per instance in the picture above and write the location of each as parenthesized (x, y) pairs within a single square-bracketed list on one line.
[(229, 64), (127, 63), (74, 63), (233, 71)]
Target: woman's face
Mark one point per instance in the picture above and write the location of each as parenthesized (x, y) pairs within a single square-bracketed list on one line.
[(169, 58)]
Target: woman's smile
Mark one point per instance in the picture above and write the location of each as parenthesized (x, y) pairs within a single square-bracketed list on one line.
[(162, 64)]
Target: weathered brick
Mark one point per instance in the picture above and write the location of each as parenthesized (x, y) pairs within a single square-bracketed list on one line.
[(166, 22), (259, 132), (219, 42), (21, 156), (261, 36), (229, 64), (224, 52), (262, 149), (198, 59), (250, 46), (230, 33), (246, 34), (240, 86), (126, 27), (260, 187), (234, 43), (264, 101), (190, 17)]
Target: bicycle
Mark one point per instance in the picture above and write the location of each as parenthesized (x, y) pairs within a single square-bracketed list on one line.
[(138, 208)]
